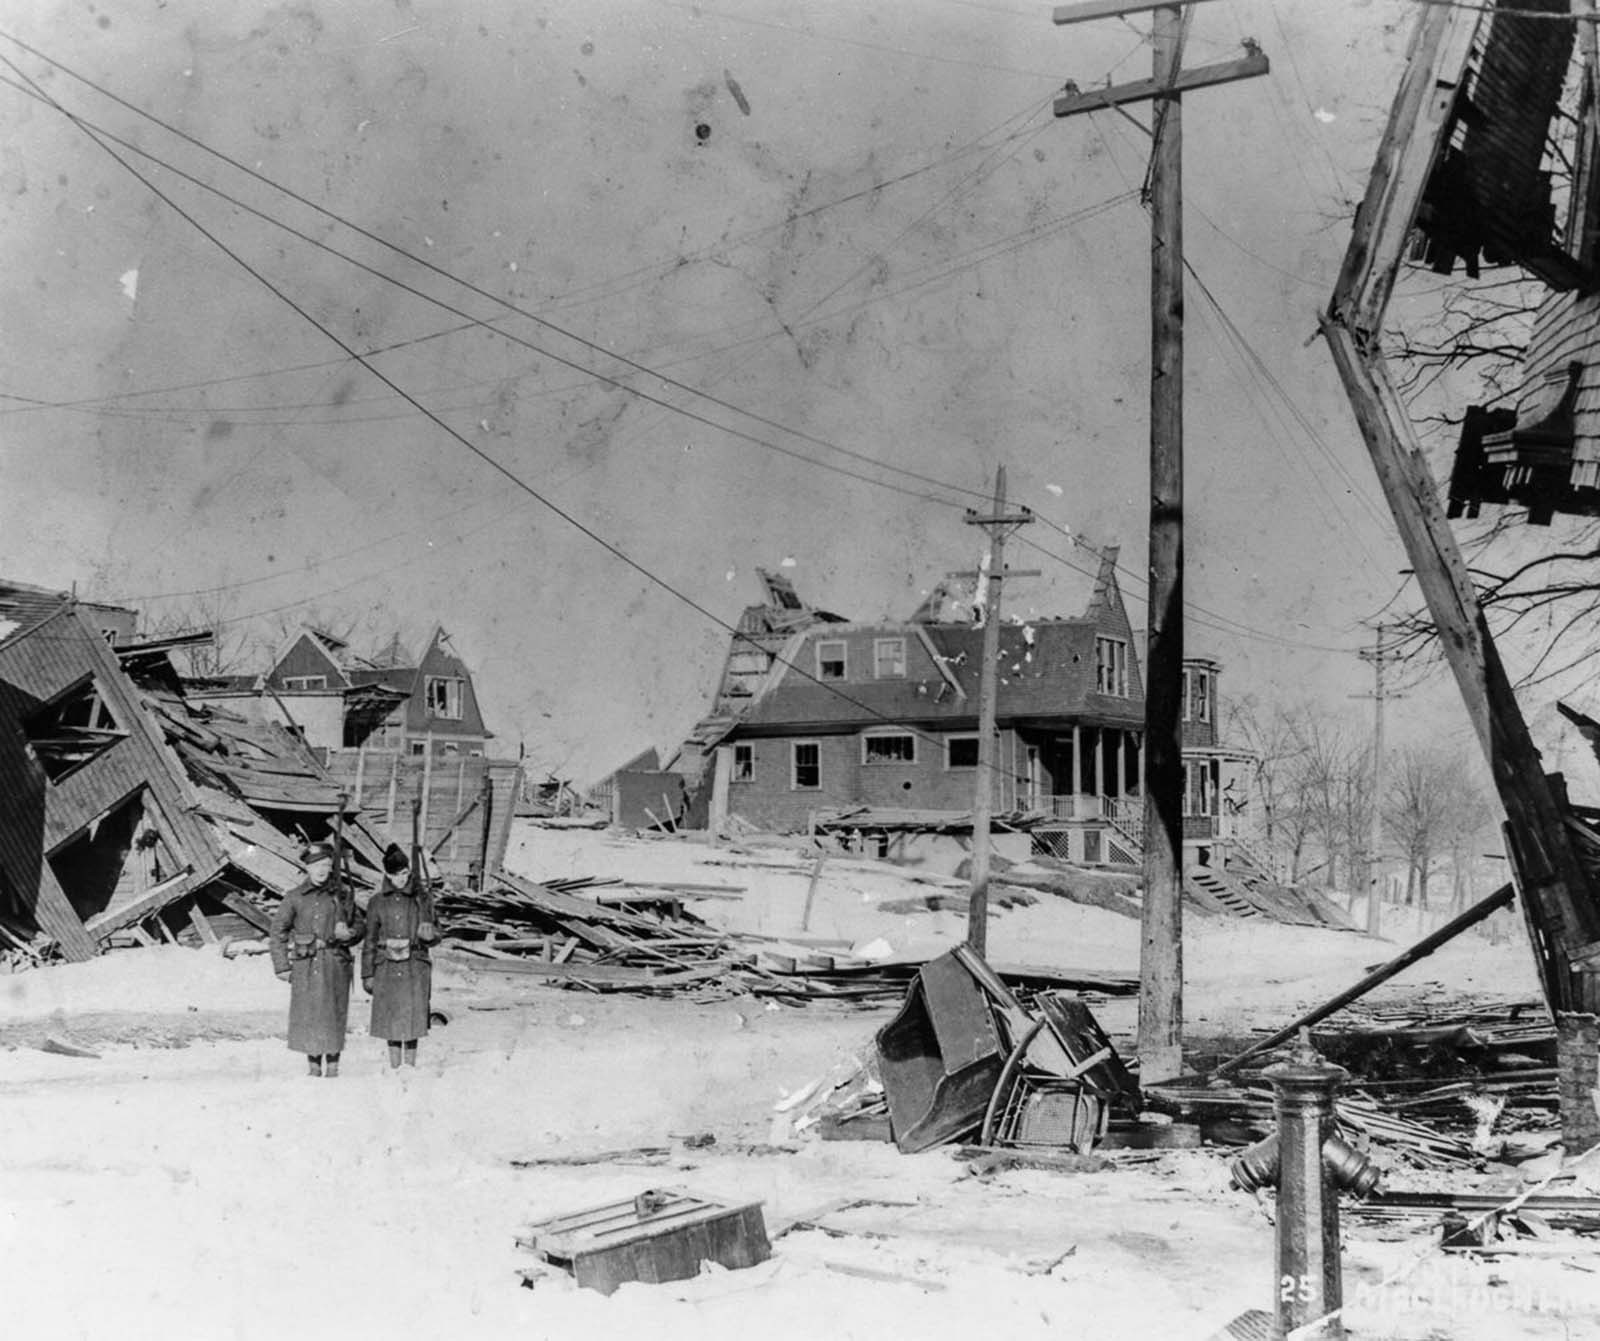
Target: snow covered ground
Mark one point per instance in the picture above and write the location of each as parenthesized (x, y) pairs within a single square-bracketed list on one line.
[(189, 1181)]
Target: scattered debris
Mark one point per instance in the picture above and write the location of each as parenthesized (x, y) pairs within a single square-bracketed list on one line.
[(656, 1236)]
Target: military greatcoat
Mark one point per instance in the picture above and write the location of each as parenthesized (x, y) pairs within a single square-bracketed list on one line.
[(303, 942), (395, 962)]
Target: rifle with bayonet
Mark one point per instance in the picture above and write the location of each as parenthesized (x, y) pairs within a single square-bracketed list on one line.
[(421, 885)]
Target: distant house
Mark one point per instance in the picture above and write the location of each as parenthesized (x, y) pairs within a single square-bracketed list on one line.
[(877, 718), (340, 701)]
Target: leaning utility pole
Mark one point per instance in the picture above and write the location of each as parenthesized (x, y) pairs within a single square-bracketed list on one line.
[(1378, 657), (998, 525), (1161, 946)]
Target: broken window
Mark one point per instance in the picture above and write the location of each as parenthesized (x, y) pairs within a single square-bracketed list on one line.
[(1197, 695), (961, 752), (806, 757), (831, 659), (744, 763), (1197, 787), (300, 683), (889, 658), (72, 729), (889, 747), (444, 694), (1111, 666)]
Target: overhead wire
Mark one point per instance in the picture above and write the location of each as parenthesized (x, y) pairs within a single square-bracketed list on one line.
[(471, 320), (510, 475)]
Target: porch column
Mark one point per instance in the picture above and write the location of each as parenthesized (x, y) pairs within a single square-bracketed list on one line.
[(1122, 763), (1077, 759), (1099, 761)]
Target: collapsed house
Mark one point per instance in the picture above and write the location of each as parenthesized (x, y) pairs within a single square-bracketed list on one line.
[(130, 810)]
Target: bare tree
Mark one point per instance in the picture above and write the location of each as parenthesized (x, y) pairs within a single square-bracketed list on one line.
[(228, 653), (1432, 806)]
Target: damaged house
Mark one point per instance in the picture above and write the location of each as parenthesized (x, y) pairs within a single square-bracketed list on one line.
[(134, 809), (874, 727), (1498, 192)]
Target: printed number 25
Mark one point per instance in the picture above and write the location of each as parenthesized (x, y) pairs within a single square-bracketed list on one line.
[(1295, 1288)]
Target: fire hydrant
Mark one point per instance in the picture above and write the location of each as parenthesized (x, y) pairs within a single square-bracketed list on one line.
[(1309, 1164)]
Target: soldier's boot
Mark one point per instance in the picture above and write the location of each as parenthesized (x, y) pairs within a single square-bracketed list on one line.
[(394, 1056), (330, 1068), (411, 1052), (313, 1065)]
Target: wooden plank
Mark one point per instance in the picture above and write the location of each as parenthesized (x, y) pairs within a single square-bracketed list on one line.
[(240, 906), (56, 917), (197, 920), (1248, 66), (1110, 9), (153, 900)]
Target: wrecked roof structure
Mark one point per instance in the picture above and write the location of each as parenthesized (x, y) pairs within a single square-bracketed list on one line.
[(119, 797), (1464, 159), (1493, 192)]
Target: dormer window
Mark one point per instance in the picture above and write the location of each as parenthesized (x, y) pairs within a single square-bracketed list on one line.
[(831, 660)]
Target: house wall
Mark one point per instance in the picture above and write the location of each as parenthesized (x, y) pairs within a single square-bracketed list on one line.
[(770, 801), (438, 661), (303, 658)]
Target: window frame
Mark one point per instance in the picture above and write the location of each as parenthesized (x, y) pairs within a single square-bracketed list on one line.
[(304, 684), (949, 740), (878, 646), (1113, 669), (749, 763), (843, 658), (444, 713), (795, 746), (888, 733)]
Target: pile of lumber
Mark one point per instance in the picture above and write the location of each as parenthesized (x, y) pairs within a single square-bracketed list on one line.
[(608, 936)]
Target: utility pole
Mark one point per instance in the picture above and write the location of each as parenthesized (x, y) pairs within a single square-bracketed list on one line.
[(998, 525), (1161, 942), (1379, 656)]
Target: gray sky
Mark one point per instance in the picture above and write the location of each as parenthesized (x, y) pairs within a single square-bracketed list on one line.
[(884, 257)]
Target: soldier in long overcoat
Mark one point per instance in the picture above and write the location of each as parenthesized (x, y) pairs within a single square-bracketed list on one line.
[(311, 934), (395, 966)]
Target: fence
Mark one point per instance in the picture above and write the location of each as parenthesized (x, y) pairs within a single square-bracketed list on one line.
[(454, 803)]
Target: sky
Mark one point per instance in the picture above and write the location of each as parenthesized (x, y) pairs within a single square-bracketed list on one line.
[(651, 294)]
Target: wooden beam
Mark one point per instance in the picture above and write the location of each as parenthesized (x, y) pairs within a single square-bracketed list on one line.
[(1248, 66), (151, 901), (1501, 898), (197, 920), (1552, 881), (1110, 9), (1436, 63)]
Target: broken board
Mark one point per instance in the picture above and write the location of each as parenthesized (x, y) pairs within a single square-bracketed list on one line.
[(654, 1237)]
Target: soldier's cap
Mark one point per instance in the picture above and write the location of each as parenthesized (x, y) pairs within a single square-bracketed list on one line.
[(395, 859), (316, 852)]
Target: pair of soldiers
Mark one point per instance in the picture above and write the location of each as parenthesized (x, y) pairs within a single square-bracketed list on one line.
[(311, 938)]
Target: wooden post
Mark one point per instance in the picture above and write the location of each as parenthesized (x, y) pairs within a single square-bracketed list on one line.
[(1161, 945), (461, 793), (361, 776), (1077, 765), (1161, 953), (998, 526), (394, 783), (487, 806), (721, 775), (1378, 656)]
